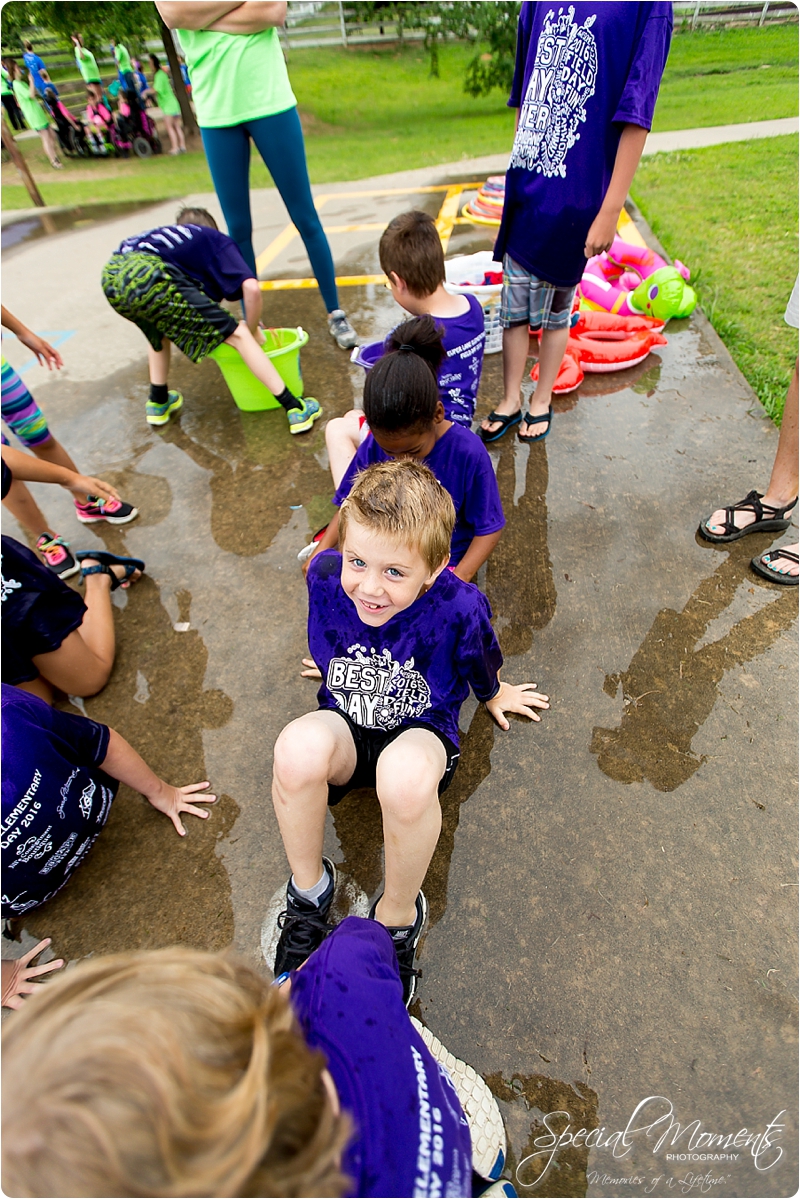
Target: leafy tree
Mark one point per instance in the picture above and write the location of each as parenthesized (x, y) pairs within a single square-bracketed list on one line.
[(97, 20), (478, 21)]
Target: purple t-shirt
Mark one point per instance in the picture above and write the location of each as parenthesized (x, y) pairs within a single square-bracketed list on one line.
[(56, 798), (418, 667), (583, 70), (209, 257), (459, 375), (411, 1136), (462, 465)]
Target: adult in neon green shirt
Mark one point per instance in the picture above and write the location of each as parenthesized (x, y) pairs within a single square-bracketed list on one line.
[(170, 108), (87, 65), (37, 118), (241, 90), (124, 67)]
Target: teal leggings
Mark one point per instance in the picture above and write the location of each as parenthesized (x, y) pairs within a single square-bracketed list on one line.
[(279, 141)]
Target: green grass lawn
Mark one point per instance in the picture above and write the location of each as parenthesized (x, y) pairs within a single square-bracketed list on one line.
[(730, 213)]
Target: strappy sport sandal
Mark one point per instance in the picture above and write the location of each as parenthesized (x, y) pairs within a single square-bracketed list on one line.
[(767, 519), (529, 420), (506, 423), (105, 561), (762, 566)]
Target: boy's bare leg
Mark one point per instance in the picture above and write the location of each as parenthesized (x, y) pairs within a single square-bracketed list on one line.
[(23, 508), (515, 356), (310, 752), (407, 780), (341, 438), (551, 354), (159, 362), (255, 358)]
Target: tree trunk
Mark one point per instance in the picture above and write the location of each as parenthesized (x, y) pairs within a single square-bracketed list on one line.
[(191, 132), (22, 166)]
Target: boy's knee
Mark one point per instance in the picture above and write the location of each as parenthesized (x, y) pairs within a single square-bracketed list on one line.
[(303, 753), (407, 780)]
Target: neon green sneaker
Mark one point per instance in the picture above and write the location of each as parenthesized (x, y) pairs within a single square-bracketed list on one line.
[(301, 419), (159, 414)]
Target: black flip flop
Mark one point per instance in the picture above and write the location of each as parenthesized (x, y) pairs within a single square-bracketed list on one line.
[(761, 565), (106, 561), (506, 423), (536, 420)]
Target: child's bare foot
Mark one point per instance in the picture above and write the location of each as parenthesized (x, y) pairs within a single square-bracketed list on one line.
[(506, 408), (536, 422)]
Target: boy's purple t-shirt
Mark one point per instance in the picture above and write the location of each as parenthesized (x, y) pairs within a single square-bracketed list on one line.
[(464, 338), (462, 465), (417, 667), (210, 258), (411, 1136), (583, 70), (56, 798)]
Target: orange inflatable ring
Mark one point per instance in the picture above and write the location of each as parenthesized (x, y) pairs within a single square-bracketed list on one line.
[(602, 342)]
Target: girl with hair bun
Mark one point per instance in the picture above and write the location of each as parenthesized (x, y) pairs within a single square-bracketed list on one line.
[(406, 419)]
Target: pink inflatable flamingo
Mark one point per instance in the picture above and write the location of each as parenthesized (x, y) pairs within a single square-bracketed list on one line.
[(610, 280)]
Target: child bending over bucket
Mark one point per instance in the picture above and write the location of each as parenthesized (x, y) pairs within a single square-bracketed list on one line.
[(399, 640), (407, 419), (413, 260), (169, 282)]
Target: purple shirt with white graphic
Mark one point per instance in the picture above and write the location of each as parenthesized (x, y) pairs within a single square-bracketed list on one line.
[(583, 70), (462, 465), (56, 798), (411, 1136), (464, 338), (212, 259), (419, 666)]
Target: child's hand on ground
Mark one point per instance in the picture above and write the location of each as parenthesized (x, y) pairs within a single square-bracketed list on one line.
[(312, 671), (44, 352), (520, 699), (92, 486), (172, 801), (18, 973), (601, 234)]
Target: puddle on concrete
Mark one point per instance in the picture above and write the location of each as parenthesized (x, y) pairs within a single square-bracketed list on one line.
[(671, 685), (23, 231)]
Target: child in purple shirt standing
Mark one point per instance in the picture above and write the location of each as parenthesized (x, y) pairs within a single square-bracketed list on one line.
[(398, 640), (585, 88)]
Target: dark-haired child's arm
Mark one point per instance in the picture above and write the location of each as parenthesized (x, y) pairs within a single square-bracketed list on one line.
[(252, 300), (122, 762), (479, 550), (604, 226), (328, 541), (35, 470)]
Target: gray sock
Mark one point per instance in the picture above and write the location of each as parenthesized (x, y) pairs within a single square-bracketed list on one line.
[(315, 893)]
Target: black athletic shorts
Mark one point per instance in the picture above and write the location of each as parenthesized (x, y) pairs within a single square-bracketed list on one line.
[(370, 744)]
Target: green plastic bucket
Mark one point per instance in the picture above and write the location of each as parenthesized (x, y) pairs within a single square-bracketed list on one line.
[(283, 347)]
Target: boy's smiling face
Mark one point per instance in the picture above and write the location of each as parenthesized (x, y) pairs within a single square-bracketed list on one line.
[(381, 575)]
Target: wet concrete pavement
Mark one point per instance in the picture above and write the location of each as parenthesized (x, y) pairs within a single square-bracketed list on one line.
[(612, 899)]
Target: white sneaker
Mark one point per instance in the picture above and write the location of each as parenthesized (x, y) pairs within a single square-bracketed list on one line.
[(341, 330), (480, 1107)]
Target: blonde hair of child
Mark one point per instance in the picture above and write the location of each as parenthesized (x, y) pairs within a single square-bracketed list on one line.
[(403, 500), (173, 1072)]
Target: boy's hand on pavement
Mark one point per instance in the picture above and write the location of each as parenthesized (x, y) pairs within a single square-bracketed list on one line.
[(18, 973), (92, 486), (172, 801), (312, 671), (601, 234), (520, 698), (44, 352)]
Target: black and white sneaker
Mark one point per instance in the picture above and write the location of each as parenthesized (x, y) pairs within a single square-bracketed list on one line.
[(341, 330), (405, 941), (303, 925)]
